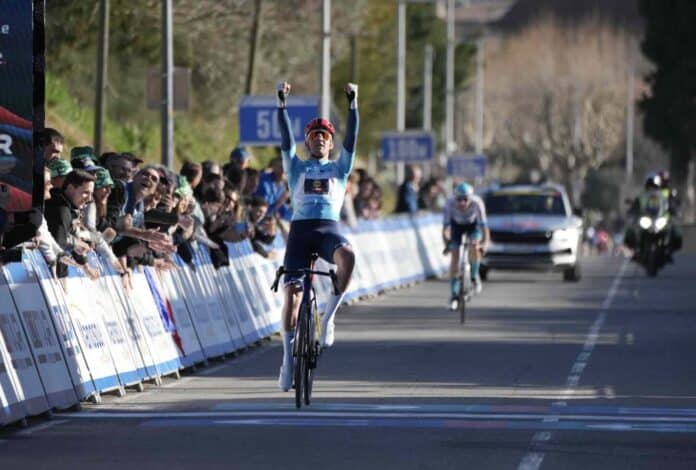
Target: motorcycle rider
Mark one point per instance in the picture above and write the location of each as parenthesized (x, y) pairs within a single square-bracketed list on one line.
[(673, 202), (652, 199)]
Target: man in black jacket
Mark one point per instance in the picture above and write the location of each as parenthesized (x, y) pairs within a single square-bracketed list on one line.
[(62, 214)]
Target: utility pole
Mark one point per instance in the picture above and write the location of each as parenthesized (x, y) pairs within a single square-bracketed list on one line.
[(400, 78), (449, 84), (253, 40), (630, 118), (167, 105), (428, 88), (102, 60), (325, 78), (480, 77)]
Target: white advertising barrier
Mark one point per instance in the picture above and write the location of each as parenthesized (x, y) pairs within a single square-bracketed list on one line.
[(229, 278), (129, 363), (249, 275), (123, 312), (159, 341), (208, 278), (212, 333), (262, 275), (41, 335), (11, 397), (67, 337), (247, 291), (92, 334), (188, 341)]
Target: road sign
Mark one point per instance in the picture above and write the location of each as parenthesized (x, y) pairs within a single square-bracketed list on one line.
[(407, 146), (182, 88), (258, 121), (467, 166)]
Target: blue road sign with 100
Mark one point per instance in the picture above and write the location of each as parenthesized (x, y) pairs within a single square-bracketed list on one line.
[(407, 146), (467, 166), (258, 121)]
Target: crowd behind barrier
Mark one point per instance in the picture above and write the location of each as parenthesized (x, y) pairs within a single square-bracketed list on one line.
[(63, 340)]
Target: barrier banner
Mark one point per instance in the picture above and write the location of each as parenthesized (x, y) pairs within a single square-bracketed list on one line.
[(58, 308), (125, 312), (92, 334), (248, 290), (229, 278), (12, 406), (208, 276), (41, 335), (257, 275), (161, 344), (18, 115), (212, 333), (189, 343), (124, 352)]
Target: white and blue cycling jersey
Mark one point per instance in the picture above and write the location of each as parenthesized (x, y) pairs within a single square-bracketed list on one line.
[(317, 187)]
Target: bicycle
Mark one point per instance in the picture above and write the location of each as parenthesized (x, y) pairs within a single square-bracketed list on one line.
[(464, 278), (306, 348)]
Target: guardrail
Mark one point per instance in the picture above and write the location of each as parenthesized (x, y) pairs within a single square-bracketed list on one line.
[(63, 341)]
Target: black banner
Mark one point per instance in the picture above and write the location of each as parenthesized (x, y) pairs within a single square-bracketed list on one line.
[(21, 101)]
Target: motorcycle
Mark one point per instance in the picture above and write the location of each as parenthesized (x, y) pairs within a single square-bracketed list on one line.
[(653, 239)]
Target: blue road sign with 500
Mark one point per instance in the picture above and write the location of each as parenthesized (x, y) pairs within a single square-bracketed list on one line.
[(467, 166), (258, 122), (407, 146)]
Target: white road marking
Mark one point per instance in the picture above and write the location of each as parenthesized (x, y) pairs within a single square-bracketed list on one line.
[(40, 427), (534, 459), (544, 417)]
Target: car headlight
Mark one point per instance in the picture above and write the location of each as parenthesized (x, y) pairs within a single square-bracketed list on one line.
[(660, 223), (645, 222)]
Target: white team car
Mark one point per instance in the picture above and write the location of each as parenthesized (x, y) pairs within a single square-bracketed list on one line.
[(532, 227)]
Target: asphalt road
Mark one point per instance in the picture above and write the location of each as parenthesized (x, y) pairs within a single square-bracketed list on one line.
[(545, 374)]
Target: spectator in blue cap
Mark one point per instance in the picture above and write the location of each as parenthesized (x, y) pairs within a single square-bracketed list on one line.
[(240, 156)]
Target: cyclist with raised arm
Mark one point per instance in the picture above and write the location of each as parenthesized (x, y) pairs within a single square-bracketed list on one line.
[(464, 213), (317, 189)]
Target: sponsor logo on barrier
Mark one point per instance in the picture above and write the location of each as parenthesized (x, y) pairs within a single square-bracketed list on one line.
[(12, 333), (114, 332), (92, 336)]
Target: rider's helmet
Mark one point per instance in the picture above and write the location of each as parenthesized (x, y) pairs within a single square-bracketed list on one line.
[(463, 191), (319, 124), (664, 179), (653, 181)]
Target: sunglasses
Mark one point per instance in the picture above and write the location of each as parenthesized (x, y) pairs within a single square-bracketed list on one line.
[(314, 134), (462, 198), (152, 177)]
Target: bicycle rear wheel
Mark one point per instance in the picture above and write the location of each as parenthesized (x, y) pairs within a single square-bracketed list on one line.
[(312, 353)]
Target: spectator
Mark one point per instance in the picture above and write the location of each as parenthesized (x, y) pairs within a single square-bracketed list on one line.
[(59, 170), (274, 189), (53, 142), (193, 172), (432, 196), (240, 156), (407, 198), (251, 181), (210, 167), (62, 212), (261, 226), (83, 158)]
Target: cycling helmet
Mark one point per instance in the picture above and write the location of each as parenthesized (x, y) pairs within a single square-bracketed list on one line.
[(653, 181), (319, 123), (664, 178), (463, 190)]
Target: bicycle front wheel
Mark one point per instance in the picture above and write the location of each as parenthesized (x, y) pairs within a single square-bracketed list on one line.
[(312, 353), (462, 299), (301, 357)]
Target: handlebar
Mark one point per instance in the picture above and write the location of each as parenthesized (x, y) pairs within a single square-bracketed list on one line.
[(304, 271)]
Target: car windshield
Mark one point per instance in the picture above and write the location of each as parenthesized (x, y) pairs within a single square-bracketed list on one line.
[(525, 203)]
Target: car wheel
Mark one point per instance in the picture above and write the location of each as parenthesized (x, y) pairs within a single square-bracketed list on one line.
[(572, 274)]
